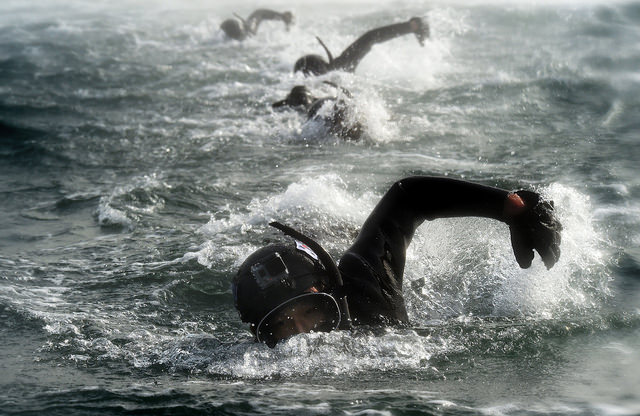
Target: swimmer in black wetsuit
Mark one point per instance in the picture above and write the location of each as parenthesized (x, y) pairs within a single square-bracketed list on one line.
[(285, 289), (351, 57), (336, 118), (240, 30)]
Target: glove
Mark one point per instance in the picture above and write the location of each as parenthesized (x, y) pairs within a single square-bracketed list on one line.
[(420, 28), (533, 226)]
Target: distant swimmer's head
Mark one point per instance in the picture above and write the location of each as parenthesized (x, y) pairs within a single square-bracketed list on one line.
[(283, 290), (311, 65), (233, 29), (420, 28), (287, 18), (299, 97)]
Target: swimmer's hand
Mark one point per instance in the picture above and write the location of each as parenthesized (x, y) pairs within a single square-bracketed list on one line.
[(420, 28), (533, 226)]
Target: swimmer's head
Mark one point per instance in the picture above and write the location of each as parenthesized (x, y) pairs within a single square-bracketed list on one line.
[(282, 290), (299, 97), (311, 65), (233, 29)]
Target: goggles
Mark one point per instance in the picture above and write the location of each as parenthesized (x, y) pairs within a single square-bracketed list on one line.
[(309, 312)]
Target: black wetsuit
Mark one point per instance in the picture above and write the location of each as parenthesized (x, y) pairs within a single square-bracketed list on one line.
[(372, 268), (240, 30), (338, 118), (368, 280), (349, 59), (260, 15)]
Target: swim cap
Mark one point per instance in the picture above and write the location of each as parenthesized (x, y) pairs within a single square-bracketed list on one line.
[(275, 274), (300, 96), (233, 29), (311, 64)]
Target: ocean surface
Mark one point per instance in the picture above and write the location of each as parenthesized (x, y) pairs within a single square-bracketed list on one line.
[(140, 162)]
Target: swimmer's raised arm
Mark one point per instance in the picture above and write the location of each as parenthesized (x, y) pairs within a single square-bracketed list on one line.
[(351, 57), (276, 280), (388, 230), (255, 18), (326, 49), (240, 29)]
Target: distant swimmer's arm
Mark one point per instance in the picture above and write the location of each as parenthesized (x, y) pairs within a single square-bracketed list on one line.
[(351, 57), (411, 201), (329, 56), (259, 15)]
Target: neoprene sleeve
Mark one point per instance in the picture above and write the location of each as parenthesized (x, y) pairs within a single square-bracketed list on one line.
[(254, 20), (373, 267), (351, 57)]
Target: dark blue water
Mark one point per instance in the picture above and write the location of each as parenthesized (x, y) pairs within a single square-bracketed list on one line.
[(140, 162)]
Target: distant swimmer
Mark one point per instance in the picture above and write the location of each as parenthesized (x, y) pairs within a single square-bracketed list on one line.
[(240, 29), (285, 289), (351, 57), (338, 117)]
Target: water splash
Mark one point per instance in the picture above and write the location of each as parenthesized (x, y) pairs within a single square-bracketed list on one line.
[(466, 267), (133, 199)]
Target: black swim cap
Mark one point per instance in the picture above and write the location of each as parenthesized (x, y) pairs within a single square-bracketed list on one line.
[(233, 29), (311, 64), (300, 96), (275, 274)]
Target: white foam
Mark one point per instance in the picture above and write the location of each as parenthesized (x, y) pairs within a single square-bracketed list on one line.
[(110, 217), (466, 266), (616, 409), (405, 64), (298, 203), (306, 354), (211, 254), (298, 200)]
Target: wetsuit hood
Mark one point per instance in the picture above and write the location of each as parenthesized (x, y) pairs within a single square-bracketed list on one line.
[(311, 65), (233, 29), (276, 274), (300, 96), (272, 275)]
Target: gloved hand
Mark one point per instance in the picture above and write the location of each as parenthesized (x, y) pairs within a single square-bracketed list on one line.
[(533, 226), (420, 28)]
